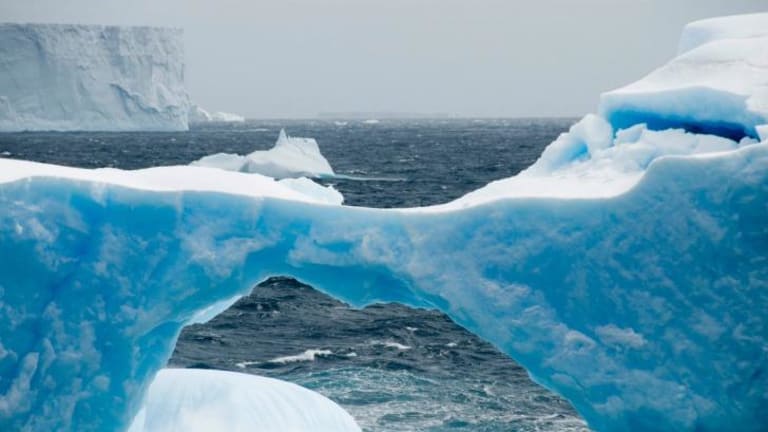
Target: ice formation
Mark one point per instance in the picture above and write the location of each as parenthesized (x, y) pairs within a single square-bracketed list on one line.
[(78, 77), (199, 115), (717, 84), (290, 157), (192, 400), (627, 270)]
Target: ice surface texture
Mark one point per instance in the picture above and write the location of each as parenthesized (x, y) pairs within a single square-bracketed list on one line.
[(717, 84), (290, 157), (645, 310), (78, 77), (627, 270), (191, 400)]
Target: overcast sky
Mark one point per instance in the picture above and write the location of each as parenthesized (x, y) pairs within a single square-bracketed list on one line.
[(296, 58)]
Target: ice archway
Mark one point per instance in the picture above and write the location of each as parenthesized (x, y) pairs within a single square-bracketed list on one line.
[(645, 309)]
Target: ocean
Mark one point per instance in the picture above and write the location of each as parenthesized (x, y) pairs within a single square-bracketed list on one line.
[(392, 367)]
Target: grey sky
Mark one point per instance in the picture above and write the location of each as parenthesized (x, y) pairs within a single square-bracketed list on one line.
[(295, 58)]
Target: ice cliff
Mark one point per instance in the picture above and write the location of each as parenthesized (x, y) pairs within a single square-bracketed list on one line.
[(290, 157), (627, 269), (84, 77)]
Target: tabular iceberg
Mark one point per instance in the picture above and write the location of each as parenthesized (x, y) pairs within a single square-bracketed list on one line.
[(627, 270), (97, 78), (290, 157)]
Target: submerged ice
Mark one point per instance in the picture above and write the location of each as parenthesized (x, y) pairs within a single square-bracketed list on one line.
[(626, 269)]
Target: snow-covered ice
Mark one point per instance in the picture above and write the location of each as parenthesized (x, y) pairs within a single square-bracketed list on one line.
[(290, 157), (704, 31), (592, 160), (717, 84), (194, 400), (643, 308), (97, 78), (627, 269)]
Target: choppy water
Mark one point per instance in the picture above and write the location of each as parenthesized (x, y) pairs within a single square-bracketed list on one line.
[(393, 368)]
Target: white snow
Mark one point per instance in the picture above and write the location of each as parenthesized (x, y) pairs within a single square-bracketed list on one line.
[(718, 83), (704, 31), (762, 132), (290, 157), (307, 187), (86, 77), (589, 162), (173, 178), (192, 400)]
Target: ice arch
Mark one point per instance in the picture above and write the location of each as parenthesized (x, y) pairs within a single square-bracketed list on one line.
[(644, 309)]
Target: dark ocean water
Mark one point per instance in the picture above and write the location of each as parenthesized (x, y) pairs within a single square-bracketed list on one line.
[(393, 368)]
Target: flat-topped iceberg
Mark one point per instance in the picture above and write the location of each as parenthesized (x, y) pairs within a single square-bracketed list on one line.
[(95, 78), (627, 270), (193, 400), (290, 157)]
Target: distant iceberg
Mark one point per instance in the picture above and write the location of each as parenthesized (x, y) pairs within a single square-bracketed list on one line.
[(199, 115), (290, 157), (94, 78), (193, 400), (626, 270)]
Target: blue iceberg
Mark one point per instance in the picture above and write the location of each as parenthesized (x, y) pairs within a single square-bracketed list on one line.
[(627, 270)]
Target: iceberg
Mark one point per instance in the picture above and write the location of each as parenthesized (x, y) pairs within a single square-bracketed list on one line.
[(717, 84), (193, 400), (626, 270), (290, 157), (94, 78), (199, 115)]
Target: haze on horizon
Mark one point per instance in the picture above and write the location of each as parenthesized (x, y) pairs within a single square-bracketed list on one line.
[(486, 58)]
